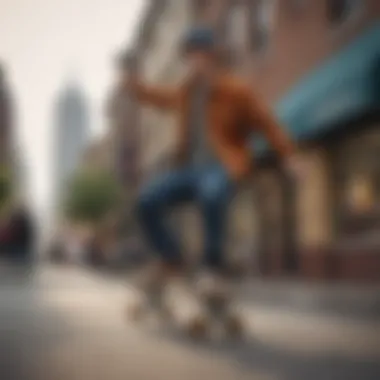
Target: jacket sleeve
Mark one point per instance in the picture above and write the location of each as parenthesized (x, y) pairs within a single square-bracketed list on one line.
[(156, 96), (263, 120)]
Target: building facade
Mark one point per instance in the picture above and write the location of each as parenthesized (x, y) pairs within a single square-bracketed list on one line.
[(160, 65), (122, 138), (316, 63)]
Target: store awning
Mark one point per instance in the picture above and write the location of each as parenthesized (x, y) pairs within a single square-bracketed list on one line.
[(345, 86)]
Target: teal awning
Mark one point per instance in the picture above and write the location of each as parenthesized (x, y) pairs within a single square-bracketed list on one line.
[(346, 85)]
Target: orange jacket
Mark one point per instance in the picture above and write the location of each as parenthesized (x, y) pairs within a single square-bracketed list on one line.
[(233, 113)]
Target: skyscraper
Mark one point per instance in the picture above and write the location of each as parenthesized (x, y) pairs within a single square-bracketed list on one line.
[(71, 121)]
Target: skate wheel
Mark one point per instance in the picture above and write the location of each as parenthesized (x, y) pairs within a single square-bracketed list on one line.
[(234, 326), (198, 327)]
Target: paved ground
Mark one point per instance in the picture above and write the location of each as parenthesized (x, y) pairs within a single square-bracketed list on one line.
[(67, 324), (353, 301)]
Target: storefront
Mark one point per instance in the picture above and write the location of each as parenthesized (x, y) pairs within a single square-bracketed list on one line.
[(328, 226), (356, 195)]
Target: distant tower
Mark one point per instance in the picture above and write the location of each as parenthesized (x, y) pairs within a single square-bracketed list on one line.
[(122, 113), (72, 128)]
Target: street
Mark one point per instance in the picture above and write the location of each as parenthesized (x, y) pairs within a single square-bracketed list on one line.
[(67, 323)]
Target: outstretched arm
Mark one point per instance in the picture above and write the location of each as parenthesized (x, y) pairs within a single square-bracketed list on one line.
[(161, 97)]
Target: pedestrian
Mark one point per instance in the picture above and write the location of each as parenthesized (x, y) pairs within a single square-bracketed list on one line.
[(218, 113)]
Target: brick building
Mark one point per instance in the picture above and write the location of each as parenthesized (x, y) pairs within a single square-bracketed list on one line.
[(160, 64), (317, 64), (121, 138)]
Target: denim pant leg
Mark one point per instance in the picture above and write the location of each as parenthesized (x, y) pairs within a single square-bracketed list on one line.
[(214, 193), (155, 202)]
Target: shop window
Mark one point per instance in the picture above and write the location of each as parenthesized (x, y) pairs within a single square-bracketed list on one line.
[(359, 185), (339, 11), (263, 18), (297, 6), (360, 195)]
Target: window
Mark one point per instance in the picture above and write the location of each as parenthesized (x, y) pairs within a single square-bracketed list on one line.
[(338, 11), (357, 181), (237, 30), (297, 6), (263, 17)]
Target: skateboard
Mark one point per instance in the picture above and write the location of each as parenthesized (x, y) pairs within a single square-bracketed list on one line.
[(211, 314)]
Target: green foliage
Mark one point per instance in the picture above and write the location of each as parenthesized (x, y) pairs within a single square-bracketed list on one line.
[(5, 187), (91, 196)]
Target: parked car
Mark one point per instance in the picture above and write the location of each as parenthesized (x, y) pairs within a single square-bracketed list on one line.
[(18, 236)]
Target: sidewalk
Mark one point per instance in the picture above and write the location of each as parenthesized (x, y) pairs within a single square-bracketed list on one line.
[(279, 326), (359, 302), (348, 301)]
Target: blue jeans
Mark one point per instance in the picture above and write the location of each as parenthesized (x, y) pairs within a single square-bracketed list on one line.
[(209, 187)]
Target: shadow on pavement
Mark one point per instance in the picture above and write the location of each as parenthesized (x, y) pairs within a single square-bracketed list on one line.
[(28, 329), (286, 364)]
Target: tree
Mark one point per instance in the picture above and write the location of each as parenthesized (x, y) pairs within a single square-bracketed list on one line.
[(5, 187), (92, 195)]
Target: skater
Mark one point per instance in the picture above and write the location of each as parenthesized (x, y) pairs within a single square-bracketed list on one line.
[(217, 115)]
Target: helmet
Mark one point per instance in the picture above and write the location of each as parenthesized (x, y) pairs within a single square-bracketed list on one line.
[(199, 38)]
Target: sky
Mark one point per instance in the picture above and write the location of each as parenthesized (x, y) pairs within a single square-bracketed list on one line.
[(46, 43)]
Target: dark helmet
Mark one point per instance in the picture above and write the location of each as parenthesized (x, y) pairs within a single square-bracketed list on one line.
[(199, 38)]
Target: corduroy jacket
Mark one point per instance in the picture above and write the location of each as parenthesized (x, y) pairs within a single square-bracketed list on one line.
[(233, 113)]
